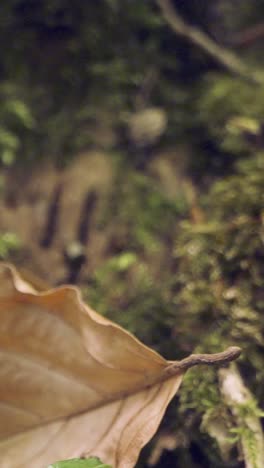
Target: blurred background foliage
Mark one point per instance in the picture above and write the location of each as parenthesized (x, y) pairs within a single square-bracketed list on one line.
[(183, 269)]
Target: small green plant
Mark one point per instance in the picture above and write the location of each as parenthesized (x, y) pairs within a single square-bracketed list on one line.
[(16, 120), (8, 243), (92, 462)]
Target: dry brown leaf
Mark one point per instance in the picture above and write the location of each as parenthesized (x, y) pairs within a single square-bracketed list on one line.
[(74, 384)]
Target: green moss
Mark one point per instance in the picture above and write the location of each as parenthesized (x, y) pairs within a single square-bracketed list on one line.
[(130, 297), (144, 213), (244, 433), (199, 390), (232, 110), (250, 408), (220, 276)]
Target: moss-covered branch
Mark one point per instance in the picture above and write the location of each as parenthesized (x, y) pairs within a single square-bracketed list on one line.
[(246, 415)]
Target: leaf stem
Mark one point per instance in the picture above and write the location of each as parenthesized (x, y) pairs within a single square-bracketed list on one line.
[(230, 354)]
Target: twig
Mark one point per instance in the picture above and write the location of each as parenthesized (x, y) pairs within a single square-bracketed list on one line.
[(247, 37), (223, 56)]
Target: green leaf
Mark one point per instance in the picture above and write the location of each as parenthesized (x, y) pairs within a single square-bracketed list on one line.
[(93, 462)]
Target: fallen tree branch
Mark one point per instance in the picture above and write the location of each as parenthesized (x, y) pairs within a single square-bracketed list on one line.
[(224, 57)]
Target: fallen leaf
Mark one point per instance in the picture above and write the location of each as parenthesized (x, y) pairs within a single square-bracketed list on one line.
[(74, 384)]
